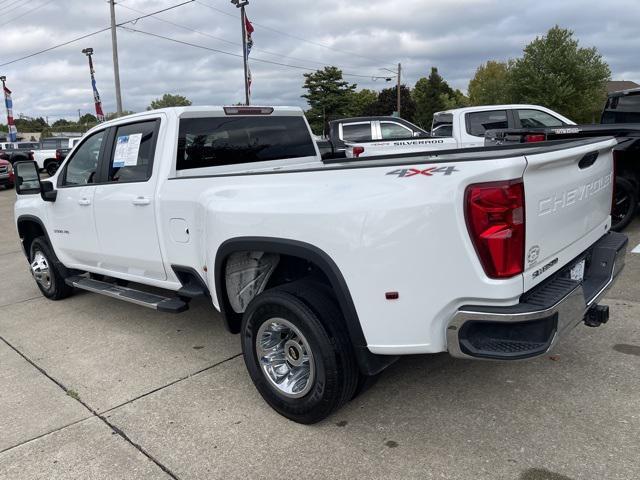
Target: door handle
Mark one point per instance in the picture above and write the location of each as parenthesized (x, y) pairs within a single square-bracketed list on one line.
[(84, 201), (141, 201)]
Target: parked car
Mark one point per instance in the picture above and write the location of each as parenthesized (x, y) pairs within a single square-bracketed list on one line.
[(460, 128), (7, 178), (18, 151), (47, 156), (329, 269), (371, 128)]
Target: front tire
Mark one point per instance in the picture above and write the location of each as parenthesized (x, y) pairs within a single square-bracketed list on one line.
[(298, 353), (625, 204), (47, 271)]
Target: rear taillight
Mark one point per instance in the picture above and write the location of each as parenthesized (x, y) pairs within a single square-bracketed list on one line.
[(496, 222), (30, 155), (357, 151), (534, 138), (58, 155)]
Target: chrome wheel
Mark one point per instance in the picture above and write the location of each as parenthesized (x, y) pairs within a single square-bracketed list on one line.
[(40, 270), (285, 357)]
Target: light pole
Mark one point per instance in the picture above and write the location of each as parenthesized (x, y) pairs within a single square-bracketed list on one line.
[(114, 47), (96, 96), (243, 18)]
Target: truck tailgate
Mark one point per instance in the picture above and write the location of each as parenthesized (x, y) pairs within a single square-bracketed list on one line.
[(568, 196)]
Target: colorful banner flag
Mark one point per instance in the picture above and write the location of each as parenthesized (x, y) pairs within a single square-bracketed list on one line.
[(249, 29), (96, 95), (13, 131)]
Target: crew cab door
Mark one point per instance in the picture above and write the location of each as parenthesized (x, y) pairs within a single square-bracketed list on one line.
[(71, 217), (125, 203)]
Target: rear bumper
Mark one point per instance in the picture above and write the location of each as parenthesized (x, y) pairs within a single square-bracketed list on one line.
[(532, 327)]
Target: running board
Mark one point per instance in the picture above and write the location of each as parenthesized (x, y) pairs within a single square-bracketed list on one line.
[(149, 300)]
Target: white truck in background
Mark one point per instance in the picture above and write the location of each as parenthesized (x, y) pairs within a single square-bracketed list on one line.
[(328, 269), (461, 128), (52, 152)]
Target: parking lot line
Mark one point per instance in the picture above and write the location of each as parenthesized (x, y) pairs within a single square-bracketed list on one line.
[(636, 250)]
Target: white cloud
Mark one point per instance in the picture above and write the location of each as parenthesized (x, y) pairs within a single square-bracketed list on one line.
[(365, 35)]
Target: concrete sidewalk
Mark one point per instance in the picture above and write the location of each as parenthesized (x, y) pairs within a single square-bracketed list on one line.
[(95, 388)]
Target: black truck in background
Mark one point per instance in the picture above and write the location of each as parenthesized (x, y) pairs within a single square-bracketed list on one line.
[(620, 119)]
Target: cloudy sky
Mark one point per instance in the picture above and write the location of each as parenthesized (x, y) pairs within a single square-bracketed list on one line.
[(360, 36)]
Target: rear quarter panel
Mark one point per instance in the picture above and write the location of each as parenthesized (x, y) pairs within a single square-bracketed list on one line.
[(386, 230)]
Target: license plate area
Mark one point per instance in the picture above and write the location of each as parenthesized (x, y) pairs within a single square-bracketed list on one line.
[(577, 271)]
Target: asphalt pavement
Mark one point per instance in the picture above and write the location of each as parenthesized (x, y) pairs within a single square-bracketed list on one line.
[(94, 388)]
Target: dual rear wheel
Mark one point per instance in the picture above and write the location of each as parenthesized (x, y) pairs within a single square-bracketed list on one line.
[(298, 353)]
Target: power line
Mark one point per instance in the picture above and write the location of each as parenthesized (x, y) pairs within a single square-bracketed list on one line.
[(195, 45), (91, 34), (266, 52), (378, 61), (27, 12)]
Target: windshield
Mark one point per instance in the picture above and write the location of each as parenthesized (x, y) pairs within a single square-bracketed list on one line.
[(442, 125)]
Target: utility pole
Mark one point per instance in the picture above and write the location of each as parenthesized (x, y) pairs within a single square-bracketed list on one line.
[(114, 46), (79, 116), (243, 19), (399, 84)]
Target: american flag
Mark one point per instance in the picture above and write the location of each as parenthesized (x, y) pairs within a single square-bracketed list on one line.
[(13, 131), (96, 95), (249, 29)]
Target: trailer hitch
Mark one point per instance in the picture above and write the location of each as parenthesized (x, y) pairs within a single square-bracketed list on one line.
[(597, 315)]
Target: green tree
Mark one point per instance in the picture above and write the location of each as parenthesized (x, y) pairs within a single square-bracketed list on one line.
[(387, 103), (61, 122), (113, 115), (328, 95), (431, 95), (31, 124), (169, 100), (555, 72), (88, 118), (490, 85), (362, 102)]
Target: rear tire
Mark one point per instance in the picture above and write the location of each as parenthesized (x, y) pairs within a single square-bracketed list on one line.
[(625, 204), (47, 271), (298, 352)]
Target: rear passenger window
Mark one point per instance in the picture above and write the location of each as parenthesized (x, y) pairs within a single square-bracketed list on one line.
[(218, 141), (536, 118), (133, 151), (479, 122), (356, 131)]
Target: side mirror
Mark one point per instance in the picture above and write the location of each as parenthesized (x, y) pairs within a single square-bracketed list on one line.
[(48, 193), (417, 134), (27, 178), (28, 182)]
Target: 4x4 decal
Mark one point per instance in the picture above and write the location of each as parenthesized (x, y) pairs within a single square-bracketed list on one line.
[(427, 172)]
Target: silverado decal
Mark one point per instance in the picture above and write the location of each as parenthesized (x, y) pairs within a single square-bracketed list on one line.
[(549, 265), (427, 172), (417, 142)]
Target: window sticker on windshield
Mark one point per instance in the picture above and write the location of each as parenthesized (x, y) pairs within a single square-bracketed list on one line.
[(127, 148)]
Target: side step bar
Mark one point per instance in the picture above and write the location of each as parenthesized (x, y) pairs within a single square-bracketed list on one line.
[(149, 300)]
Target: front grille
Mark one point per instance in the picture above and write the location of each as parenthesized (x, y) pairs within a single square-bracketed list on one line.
[(4, 169)]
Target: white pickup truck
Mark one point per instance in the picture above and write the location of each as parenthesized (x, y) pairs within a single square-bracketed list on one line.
[(52, 151), (461, 128), (328, 269)]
